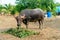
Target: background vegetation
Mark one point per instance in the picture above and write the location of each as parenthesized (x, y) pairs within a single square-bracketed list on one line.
[(23, 4)]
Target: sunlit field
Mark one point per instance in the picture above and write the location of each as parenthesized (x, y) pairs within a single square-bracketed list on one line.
[(16, 12)]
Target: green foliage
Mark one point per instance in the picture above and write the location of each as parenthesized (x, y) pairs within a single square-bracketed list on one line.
[(54, 12), (21, 32), (47, 4), (57, 4), (13, 11), (1, 7), (43, 4), (8, 8), (23, 4), (31, 4)]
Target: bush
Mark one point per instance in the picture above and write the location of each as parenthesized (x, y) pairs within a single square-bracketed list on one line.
[(54, 13), (20, 32)]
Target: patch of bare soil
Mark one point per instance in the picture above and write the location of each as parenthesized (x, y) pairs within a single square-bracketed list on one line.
[(7, 22), (46, 34), (49, 32)]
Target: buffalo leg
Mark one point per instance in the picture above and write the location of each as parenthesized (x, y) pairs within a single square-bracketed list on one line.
[(26, 23), (39, 24), (42, 23)]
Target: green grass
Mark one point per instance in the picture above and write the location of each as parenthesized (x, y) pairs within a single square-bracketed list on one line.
[(20, 32)]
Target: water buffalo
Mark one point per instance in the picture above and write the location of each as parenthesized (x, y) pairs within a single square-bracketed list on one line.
[(30, 15)]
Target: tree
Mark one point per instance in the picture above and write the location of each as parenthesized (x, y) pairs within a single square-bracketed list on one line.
[(47, 4), (23, 4), (43, 4)]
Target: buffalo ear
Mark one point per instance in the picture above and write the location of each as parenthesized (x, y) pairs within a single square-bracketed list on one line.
[(16, 17)]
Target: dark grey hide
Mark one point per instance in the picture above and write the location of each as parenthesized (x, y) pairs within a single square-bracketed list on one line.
[(30, 15)]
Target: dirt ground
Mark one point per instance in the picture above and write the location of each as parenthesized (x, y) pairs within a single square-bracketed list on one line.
[(50, 31)]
